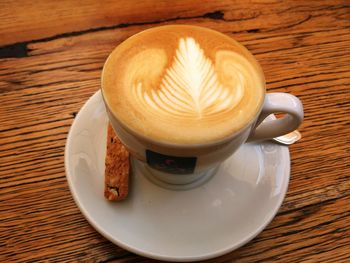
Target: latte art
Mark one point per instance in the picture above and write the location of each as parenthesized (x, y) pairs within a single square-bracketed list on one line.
[(182, 85), (190, 87)]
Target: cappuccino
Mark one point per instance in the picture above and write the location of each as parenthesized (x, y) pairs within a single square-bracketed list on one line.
[(183, 84)]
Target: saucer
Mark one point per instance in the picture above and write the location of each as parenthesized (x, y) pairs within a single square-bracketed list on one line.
[(204, 222)]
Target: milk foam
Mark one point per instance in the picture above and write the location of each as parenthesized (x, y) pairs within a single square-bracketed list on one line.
[(190, 87), (183, 84)]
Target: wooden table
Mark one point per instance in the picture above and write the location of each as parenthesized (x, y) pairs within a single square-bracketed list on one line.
[(52, 54)]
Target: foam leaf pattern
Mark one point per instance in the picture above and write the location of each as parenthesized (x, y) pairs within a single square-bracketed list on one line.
[(190, 87)]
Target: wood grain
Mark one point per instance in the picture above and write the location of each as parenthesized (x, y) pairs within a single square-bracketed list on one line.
[(51, 61)]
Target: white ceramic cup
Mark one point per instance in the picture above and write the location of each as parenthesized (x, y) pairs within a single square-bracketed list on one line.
[(176, 164), (181, 164)]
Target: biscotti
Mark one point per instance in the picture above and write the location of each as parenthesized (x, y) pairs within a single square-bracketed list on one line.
[(117, 168)]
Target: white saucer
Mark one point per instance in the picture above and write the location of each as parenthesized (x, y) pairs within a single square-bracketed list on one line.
[(213, 219)]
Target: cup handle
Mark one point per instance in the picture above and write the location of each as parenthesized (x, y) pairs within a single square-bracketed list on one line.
[(282, 103)]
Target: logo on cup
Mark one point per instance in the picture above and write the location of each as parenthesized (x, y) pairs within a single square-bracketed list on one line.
[(171, 164)]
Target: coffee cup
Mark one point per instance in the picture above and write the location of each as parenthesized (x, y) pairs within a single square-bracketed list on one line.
[(183, 99)]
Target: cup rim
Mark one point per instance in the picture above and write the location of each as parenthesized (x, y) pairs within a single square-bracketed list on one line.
[(185, 145)]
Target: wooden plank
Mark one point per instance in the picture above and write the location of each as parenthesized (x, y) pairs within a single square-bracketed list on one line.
[(50, 19), (311, 234), (44, 19)]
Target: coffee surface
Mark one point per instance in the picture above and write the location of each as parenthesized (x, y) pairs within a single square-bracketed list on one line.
[(183, 85)]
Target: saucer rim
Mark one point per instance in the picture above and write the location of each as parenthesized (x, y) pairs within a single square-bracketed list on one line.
[(158, 256)]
